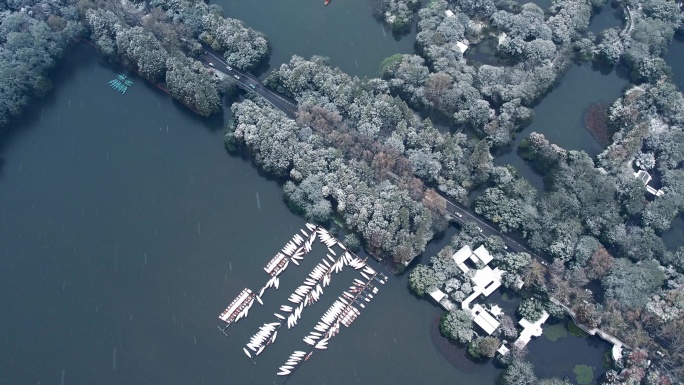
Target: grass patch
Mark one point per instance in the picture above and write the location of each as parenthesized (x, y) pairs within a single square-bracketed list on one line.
[(555, 332), (584, 374), (576, 331)]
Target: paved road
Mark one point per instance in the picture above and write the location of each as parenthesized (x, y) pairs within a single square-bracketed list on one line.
[(250, 83), (461, 214)]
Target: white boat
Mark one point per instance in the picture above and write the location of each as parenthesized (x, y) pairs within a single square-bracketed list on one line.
[(284, 373), (259, 300), (273, 338), (247, 352), (294, 261), (261, 349), (310, 227), (276, 282), (304, 232), (331, 251)]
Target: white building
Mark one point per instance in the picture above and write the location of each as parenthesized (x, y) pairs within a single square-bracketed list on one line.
[(530, 329), (484, 320)]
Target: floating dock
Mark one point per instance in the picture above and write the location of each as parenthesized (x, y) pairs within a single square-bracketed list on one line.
[(242, 302)]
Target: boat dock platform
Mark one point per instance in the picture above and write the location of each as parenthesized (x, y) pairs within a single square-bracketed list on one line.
[(243, 301)]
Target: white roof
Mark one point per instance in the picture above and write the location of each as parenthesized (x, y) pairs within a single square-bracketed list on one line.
[(642, 175), (483, 254), (437, 295), (461, 46), (530, 329), (484, 319), (503, 350), (461, 255), (449, 13), (487, 280)]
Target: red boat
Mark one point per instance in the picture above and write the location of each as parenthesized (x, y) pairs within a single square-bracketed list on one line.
[(326, 2)]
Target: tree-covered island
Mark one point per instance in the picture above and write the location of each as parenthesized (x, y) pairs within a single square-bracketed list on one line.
[(364, 154)]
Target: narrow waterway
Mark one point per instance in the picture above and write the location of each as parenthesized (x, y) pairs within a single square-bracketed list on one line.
[(126, 228), (344, 31), (674, 58)]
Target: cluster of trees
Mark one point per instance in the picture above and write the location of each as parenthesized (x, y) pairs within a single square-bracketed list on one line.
[(33, 37), (241, 46), (323, 184), (186, 79), (397, 14), (457, 325), (521, 372), (160, 39), (591, 210), (492, 100), (364, 120), (652, 25)]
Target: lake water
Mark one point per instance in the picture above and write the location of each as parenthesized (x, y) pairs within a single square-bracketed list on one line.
[(126, 228), (559, 115), (674, 57), (344, 31)]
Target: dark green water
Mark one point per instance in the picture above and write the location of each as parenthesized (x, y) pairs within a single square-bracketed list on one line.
[(122, 241), (610, 16), (675, 58), (344, 31), (558, 358), (559, 115)]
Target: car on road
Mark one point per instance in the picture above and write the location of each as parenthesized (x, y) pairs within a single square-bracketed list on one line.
[(236, 77), (505, 247), (459, 215), (229, 68), (479, 228), (253, 86), (211, 64)]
